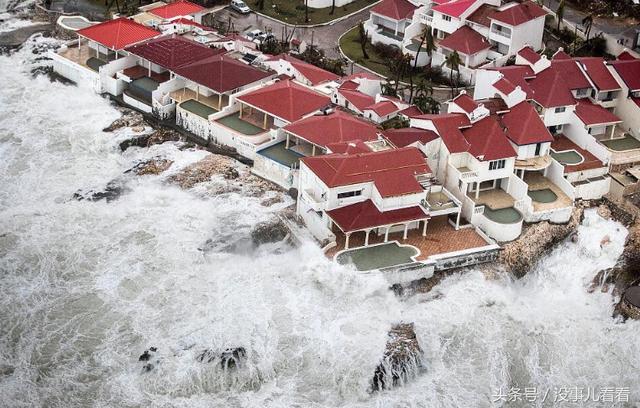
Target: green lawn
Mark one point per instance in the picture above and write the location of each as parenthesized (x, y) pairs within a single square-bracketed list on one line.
[(293, 11), (350, 45)]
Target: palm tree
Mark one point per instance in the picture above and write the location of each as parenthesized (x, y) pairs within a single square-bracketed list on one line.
[(560, 13), (362, 37), (453, 61), (587, 22), (333, 7), (399, 67), (426, 39), (424, 98)]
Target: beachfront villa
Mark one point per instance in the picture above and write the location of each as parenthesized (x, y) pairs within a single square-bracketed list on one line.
[(483, 32)]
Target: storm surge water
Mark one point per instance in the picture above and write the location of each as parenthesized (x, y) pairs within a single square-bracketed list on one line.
[(86, 287)]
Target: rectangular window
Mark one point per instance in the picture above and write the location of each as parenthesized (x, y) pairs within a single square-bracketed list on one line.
[(497, 164), (561, 109), (538, 147), (446, 18), (349, 194)]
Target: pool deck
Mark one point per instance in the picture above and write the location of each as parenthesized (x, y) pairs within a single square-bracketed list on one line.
[(590, 161), (494, 199), (441, 238), (79, 56), (537, 181), (240, 125), (621, 144)]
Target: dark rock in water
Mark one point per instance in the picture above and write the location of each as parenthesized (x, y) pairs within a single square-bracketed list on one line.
[(129, 118), (147, 367), (187, 146), (228, 359), (6, 370), (269, 231), (113, 190), (153, 166), (163, 135), (629, 305), (135, 141), (401, 360), (145, 356), (13, 39), (293, 193), (154, 349)]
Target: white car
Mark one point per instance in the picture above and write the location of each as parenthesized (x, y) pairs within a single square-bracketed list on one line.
[(253, 34), (240, 7)]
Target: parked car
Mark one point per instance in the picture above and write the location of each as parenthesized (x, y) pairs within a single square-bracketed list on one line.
[(253, 34), (240, 7)]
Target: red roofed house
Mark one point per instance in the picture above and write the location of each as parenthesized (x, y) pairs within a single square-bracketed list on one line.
[(472, 47), (375, 193), (388, 21), (178, 9), (316, 134), (98, 45), (149, 66), (573, 96), (299, 70), (627, 74), (516, 25)]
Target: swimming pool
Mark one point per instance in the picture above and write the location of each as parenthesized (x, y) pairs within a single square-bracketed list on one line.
[(544, 195), (507, 215), (570, 157), (378, 256)]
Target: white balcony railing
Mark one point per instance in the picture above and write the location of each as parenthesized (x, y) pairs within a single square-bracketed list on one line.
[(316, 203), (501, 33)]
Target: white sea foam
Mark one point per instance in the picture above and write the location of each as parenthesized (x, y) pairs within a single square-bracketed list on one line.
[(87, 286)]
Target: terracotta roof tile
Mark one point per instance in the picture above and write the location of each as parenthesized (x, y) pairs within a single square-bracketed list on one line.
[(118, 33), (286, 100), (395, 9), (523, 125), (336, 127), (597, 71), (591, 114), (407, 136), (530, 55), (465, 40), (391, 171), (364, 215), (171, 52), (383, 108), (487, 141), (454, 8), (221, 73), (314, 74), (629, 71), (465, 102), (360, 100), (519, 14), (176, 9)]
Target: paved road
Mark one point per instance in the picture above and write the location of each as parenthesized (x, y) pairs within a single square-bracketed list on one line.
[(326, 37), (616, 28)]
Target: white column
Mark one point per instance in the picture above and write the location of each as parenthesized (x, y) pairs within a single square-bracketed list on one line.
[(477, 189), (149, 68), (286, 145), (406, 230), (386, 234), (396, 28), (458, 221), (424, 228), (613, 128), (366, 237), (346, 241)]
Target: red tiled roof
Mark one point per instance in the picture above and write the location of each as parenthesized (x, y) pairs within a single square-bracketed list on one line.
[(454, 8), (348, 85), (519, 14), (407, 136), (366, 75), (625, 56), (391, 171), (395, 9), (465, 40), (561, 55), (550, 89), (171, 52), (487, 141), (176, 9), (629, 71), (352, 147), (599, 74), (365, 215), (314, 74), (358, 99), (336, 127), (517, 76), (504, 85), (411, 111), (523, 125), (529, 54), (448, 127), (383, 108), (482, 15), (465, 102), (118, 33), (286, 100), (221, 73), (573, 75), (591, 114)]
